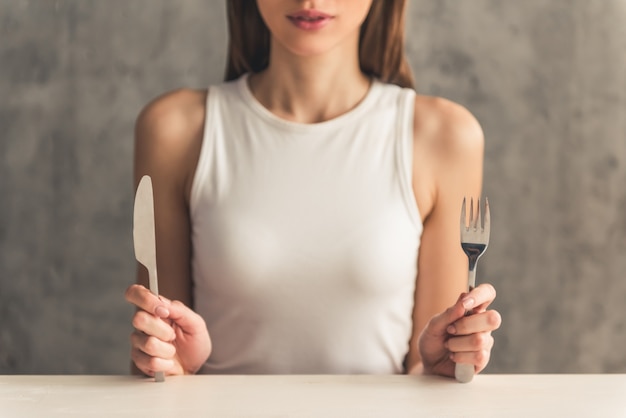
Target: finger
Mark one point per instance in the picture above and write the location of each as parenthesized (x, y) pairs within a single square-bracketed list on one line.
[(480, 297), (479, 359), (474, 342), (144, 299), (152, 346), (188, 320), (481, 322), (154, 326), (439, 324), (150, 365)]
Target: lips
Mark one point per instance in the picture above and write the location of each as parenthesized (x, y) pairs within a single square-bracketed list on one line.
[(309, 19)]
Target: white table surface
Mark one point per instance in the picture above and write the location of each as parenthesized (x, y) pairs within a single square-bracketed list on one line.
[(314, 396)]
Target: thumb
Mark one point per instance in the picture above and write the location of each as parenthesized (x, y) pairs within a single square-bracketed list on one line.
[(439, 323), (188, 320)]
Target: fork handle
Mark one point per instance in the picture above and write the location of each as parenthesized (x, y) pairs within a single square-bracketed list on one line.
[(464, 373), (471, 279)]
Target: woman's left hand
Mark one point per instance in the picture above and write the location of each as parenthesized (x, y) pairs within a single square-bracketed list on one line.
[(454, 337)]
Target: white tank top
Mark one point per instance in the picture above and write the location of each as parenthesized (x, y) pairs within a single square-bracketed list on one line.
[(305, 236)]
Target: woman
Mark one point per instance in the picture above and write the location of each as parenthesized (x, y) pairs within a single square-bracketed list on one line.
[(307, 209)]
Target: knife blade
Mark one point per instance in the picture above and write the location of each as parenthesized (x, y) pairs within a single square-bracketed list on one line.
[(144, 238)]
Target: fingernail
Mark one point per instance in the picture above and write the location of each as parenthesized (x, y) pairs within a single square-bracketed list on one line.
[(162, 312), (451, 329), (468, 303)]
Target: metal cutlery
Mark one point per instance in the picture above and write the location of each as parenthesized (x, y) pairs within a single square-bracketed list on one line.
[(474, 241)]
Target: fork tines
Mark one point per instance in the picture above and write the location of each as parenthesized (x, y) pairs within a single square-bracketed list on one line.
[(473, 221)]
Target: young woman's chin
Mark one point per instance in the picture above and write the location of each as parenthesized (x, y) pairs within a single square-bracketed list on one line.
[(306, 48)]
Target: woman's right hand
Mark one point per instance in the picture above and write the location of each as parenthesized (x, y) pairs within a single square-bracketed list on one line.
[(168, 336)]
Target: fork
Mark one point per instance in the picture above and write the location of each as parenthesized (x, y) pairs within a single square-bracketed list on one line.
[(474, 241)]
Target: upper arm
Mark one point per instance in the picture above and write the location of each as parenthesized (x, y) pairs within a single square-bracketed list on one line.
[(449, 146), (168, 134)]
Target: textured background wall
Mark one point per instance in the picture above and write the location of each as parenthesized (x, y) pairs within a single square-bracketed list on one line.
[(546, 79)]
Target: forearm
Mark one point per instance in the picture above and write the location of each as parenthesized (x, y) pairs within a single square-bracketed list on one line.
[(415, 369), (413, 364)]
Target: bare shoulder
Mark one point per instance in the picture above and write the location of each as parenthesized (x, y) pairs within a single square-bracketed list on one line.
[(173, 115), (447, 154), (446, 127), (168, 135)]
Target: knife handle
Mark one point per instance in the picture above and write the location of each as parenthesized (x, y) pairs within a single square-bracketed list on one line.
[(154, 288), (464, 373)]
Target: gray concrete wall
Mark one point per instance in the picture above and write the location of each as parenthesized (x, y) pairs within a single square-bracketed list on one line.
[(546, 78)]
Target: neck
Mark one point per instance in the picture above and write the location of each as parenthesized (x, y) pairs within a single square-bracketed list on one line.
[(310, 89)]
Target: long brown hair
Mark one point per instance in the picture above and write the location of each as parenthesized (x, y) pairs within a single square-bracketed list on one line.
[(381, 41)]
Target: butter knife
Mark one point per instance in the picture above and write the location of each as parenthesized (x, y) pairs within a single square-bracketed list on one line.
[(144, 237)]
